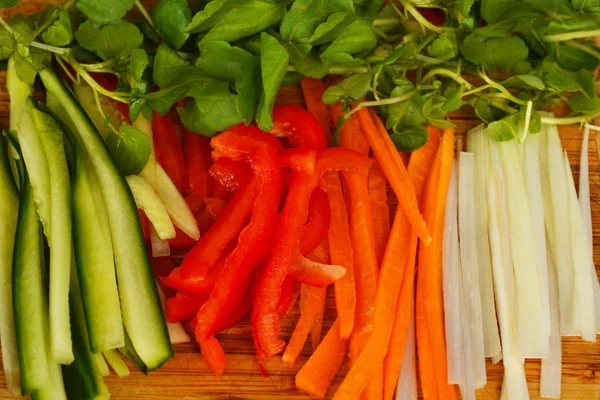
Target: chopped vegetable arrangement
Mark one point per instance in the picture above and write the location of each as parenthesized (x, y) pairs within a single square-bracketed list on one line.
[(160, 134)]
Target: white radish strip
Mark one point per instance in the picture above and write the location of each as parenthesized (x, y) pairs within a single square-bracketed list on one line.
[(551, 372), (452, 285), (533, 331), (557, 221), (515, 384), (584, 309), (160, 247), (586, 213), (491, 339), (177, 334), (407, 383), (535, 198), (146, 198), (149, 171), (469, 269)]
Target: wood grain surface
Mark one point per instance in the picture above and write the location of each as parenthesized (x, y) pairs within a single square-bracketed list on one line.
[(186, 376)]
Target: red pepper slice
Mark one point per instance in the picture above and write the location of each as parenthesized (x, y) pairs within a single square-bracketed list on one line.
[(197, 162), (287, 242), (256, 147), (214, 355), (198, 286), (183, 306), (319, 215), (229, 173), (299, 159), (287, 296), (168, 150), (301, 127)]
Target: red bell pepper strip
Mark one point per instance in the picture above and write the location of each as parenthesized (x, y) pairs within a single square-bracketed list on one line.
[(195, 203), (319, 214), (287, 242), (255, 146), (145, 223), (168, 150), (300, 126), (183, 306), (436, 16), (197, 162), (198, 286), (229, 173), (287, 297), (313, 90), (299, 158), (213, 355)]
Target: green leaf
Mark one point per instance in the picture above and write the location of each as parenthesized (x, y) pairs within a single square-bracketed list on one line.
[(184, 81), (291, 78), (434, 112), (574, 59), (8, 3), (527, 82), (464, 6), (483, 110), (131, 149), (445, 47), (589, 6), (7, 44), (274, 61), (302, 18), (60, 32), (166, 65), (504, 129), (171, 18), (409, 112), (582, 104), (491, 10), (502, 54), (410, 138), (562, 80), (245, 21), (110, 41), (138, 63), (327, 31), (248, 85), (212, 109), (105, 11), (213, 11), (453, 99), (357, 38), (351, 89), (307, 62), (222, 61)]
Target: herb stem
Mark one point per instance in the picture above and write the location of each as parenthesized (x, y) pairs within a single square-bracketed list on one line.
[(584, 48), (42, 46), (563, 37), (477, 89), (118, 96), (579, 119), (422, 20), (450, 74), (384, 102), (502, 89), (385, 21), (98, 66)]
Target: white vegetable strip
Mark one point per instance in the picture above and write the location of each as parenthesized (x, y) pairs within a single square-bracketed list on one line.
[(146, 198), (469, 269), (533, 331), (491, 338), (407, 383), (176, 332), (149, 171), (452, 285), (583, 302), (515, 384), (160, 247), (102, 366), (533, 183), (116, 363), (175, 204), (551, 371), (557, 220), (586, 213)]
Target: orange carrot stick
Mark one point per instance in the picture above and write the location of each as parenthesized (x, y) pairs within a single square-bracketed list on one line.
[(318, 372), (313, 90), (379, 209), (340, 247), (351, 135), (430, 309), (419, 168), (391, 164), (320, 254)]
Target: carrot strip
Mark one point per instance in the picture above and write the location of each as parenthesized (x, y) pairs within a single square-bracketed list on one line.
[(341, 254), (391, 164), (318, 372), (419, 168), (379, 209), (313, 90), (320, 254), (351, 135), (430, 309)]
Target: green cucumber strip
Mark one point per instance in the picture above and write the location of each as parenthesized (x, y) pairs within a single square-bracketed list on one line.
[(83, 378), (116, 363), (28, 296), (18, 92), (95, 262), (142, 314), (129, 352), (85, 97), (59, 240), (9, 209), (102, 365), (175, 204), (147, 199)]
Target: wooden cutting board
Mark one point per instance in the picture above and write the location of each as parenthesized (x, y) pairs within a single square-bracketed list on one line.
[(186, 376)]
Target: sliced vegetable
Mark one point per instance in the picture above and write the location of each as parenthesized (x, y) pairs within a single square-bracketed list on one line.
[(116, 363), (146, 198), (169, 153)]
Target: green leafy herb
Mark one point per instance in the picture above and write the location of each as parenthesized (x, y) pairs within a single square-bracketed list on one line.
[(410, 138), (496, 54), (105, 11), (138, 63), (504, 129), (60, 32), (274, 61), (351, 89), (171, 18), (357, 38), (131, 149), (306, 61), (248, 85), (112, 41), (222, 61), (8, 3), (166, 65), (327, 31)]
